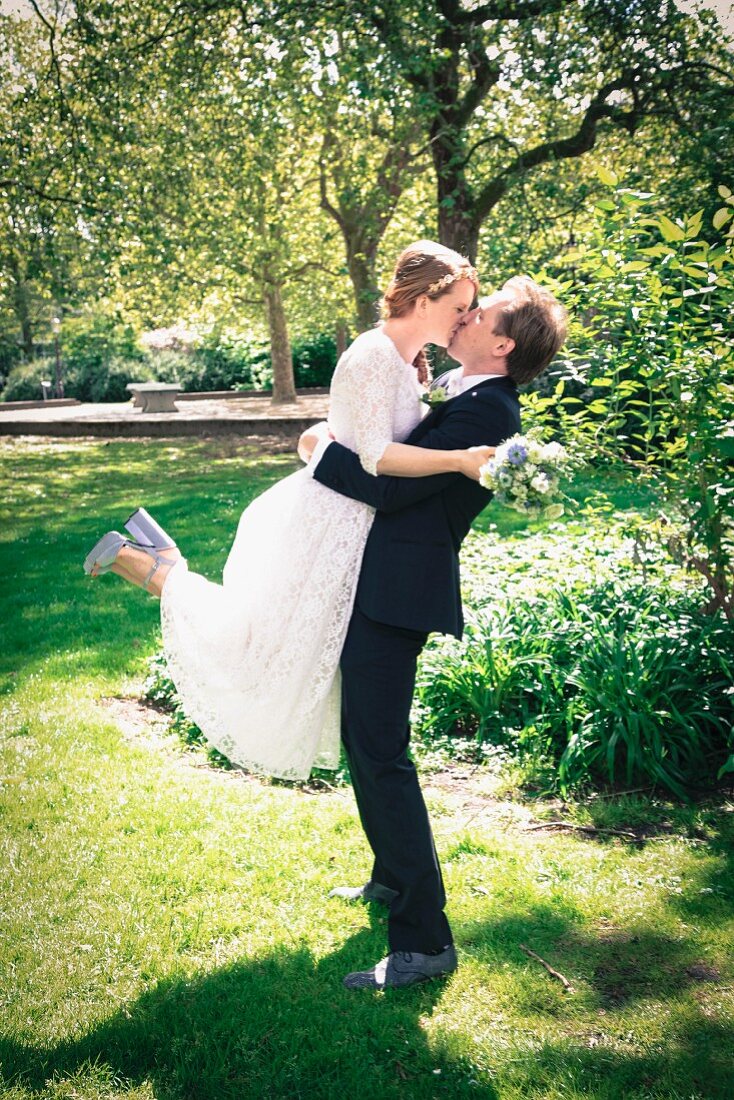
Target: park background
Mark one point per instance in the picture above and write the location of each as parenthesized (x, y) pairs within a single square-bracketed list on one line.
[(213, 192)]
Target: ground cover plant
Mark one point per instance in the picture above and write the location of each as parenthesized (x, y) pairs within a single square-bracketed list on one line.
[(164, 928), (590, 656)]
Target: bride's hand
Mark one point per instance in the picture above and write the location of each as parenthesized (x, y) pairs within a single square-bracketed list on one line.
[(311, 437), (473, 459)]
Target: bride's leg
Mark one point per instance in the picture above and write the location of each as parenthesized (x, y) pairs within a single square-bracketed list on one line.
[(144, 564), (135, 566)]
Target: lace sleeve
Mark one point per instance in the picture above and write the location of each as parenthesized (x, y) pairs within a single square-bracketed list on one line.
[(371, 388)]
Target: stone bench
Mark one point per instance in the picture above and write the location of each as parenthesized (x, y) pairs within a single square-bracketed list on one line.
[(154, 397)]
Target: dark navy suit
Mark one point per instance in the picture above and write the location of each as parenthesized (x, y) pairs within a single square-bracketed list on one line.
[(408, 587)]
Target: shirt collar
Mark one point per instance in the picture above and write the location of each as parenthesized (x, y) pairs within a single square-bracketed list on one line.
[(459, 383)]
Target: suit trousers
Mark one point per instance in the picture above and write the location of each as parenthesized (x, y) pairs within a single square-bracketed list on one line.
[(378, 666)]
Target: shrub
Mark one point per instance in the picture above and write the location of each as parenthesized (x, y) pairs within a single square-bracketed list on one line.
[(104, 380), (100, 356), (24, 380), (654, 297), (648, 698), (314, 361), (581, 655)]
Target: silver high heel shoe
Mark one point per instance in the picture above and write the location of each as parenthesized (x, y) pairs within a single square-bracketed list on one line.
[(147, 532), (103, 556)]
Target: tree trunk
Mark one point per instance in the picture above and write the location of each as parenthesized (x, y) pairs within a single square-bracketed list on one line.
[(361, 265), (284, 388), (456, 226), (342, 339), (22, 307)]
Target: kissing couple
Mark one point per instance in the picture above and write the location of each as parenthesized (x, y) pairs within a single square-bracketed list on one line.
[(339, 572)]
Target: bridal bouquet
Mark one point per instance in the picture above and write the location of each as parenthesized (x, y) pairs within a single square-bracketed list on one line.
[(525, 474)]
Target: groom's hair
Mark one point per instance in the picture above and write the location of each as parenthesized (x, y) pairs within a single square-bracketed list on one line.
[(537, 322)]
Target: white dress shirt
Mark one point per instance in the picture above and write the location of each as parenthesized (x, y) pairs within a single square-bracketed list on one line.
[(458, 382)]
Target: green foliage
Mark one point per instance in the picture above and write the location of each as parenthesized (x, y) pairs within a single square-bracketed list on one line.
[(654, 297), (648, 694), (87, 378), (98, 361), (99, 356), (314, 359), (158, 688), (230, 361), (24, 380), (603, 665)]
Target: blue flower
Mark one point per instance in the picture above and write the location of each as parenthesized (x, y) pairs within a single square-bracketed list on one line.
[(516, 454)]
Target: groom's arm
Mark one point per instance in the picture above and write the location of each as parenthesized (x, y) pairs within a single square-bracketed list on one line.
[(472, 424)]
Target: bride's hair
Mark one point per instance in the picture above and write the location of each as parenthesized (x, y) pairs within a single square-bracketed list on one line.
[(424, 268)]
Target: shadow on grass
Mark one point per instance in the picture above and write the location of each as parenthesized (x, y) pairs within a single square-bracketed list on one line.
[(277, 1026), (707, 826), (619, 976), (283, 1026)]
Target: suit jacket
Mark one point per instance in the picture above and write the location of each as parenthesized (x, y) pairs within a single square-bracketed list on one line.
[(410, 570)]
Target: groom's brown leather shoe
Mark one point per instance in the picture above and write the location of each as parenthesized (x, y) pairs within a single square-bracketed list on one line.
[(371, 891), (403, 968)]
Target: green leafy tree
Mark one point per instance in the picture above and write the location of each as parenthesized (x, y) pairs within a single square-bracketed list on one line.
[(653, 298), (47, 255), (509, 86), (211, 165)]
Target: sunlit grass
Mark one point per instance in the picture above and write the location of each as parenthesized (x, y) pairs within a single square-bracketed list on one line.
[(164, 926)]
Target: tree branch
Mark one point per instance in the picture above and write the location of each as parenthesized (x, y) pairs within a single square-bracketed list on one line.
[(563, 148), (326, 203), (485, 74), (386, 27), (55, 67), (510, 9), (41, 193), (497, 136), (310, 265)]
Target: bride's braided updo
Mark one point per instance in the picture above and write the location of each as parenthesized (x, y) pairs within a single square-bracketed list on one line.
[(423, 268)]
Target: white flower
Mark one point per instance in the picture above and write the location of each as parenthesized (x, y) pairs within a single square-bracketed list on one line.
[(554, 453), (525, 474)]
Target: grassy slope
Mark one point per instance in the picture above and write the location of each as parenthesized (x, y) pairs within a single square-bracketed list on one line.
[(164, 930)]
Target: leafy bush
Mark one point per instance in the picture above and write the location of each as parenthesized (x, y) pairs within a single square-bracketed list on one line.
[(100, 356), (24, 380), (227, 361), (107, 380), (314, 361), (654, 297), (648, 697), (590, 654), (86, 379)]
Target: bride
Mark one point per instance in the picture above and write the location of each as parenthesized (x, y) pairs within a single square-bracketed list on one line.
[(255, 660)]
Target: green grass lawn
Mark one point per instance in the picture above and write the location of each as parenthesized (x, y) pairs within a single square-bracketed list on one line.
[(164, 926)]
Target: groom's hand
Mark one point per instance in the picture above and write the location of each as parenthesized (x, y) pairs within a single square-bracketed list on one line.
[(473, 459), (311, 438)]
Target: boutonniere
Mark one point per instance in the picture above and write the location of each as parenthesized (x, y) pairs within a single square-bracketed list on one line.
[(435, 397)]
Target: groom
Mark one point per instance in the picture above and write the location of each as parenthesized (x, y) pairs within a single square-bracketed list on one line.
[(409, 587)]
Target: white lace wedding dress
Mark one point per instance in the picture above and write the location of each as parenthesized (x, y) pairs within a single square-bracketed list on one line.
[(255, 660)]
